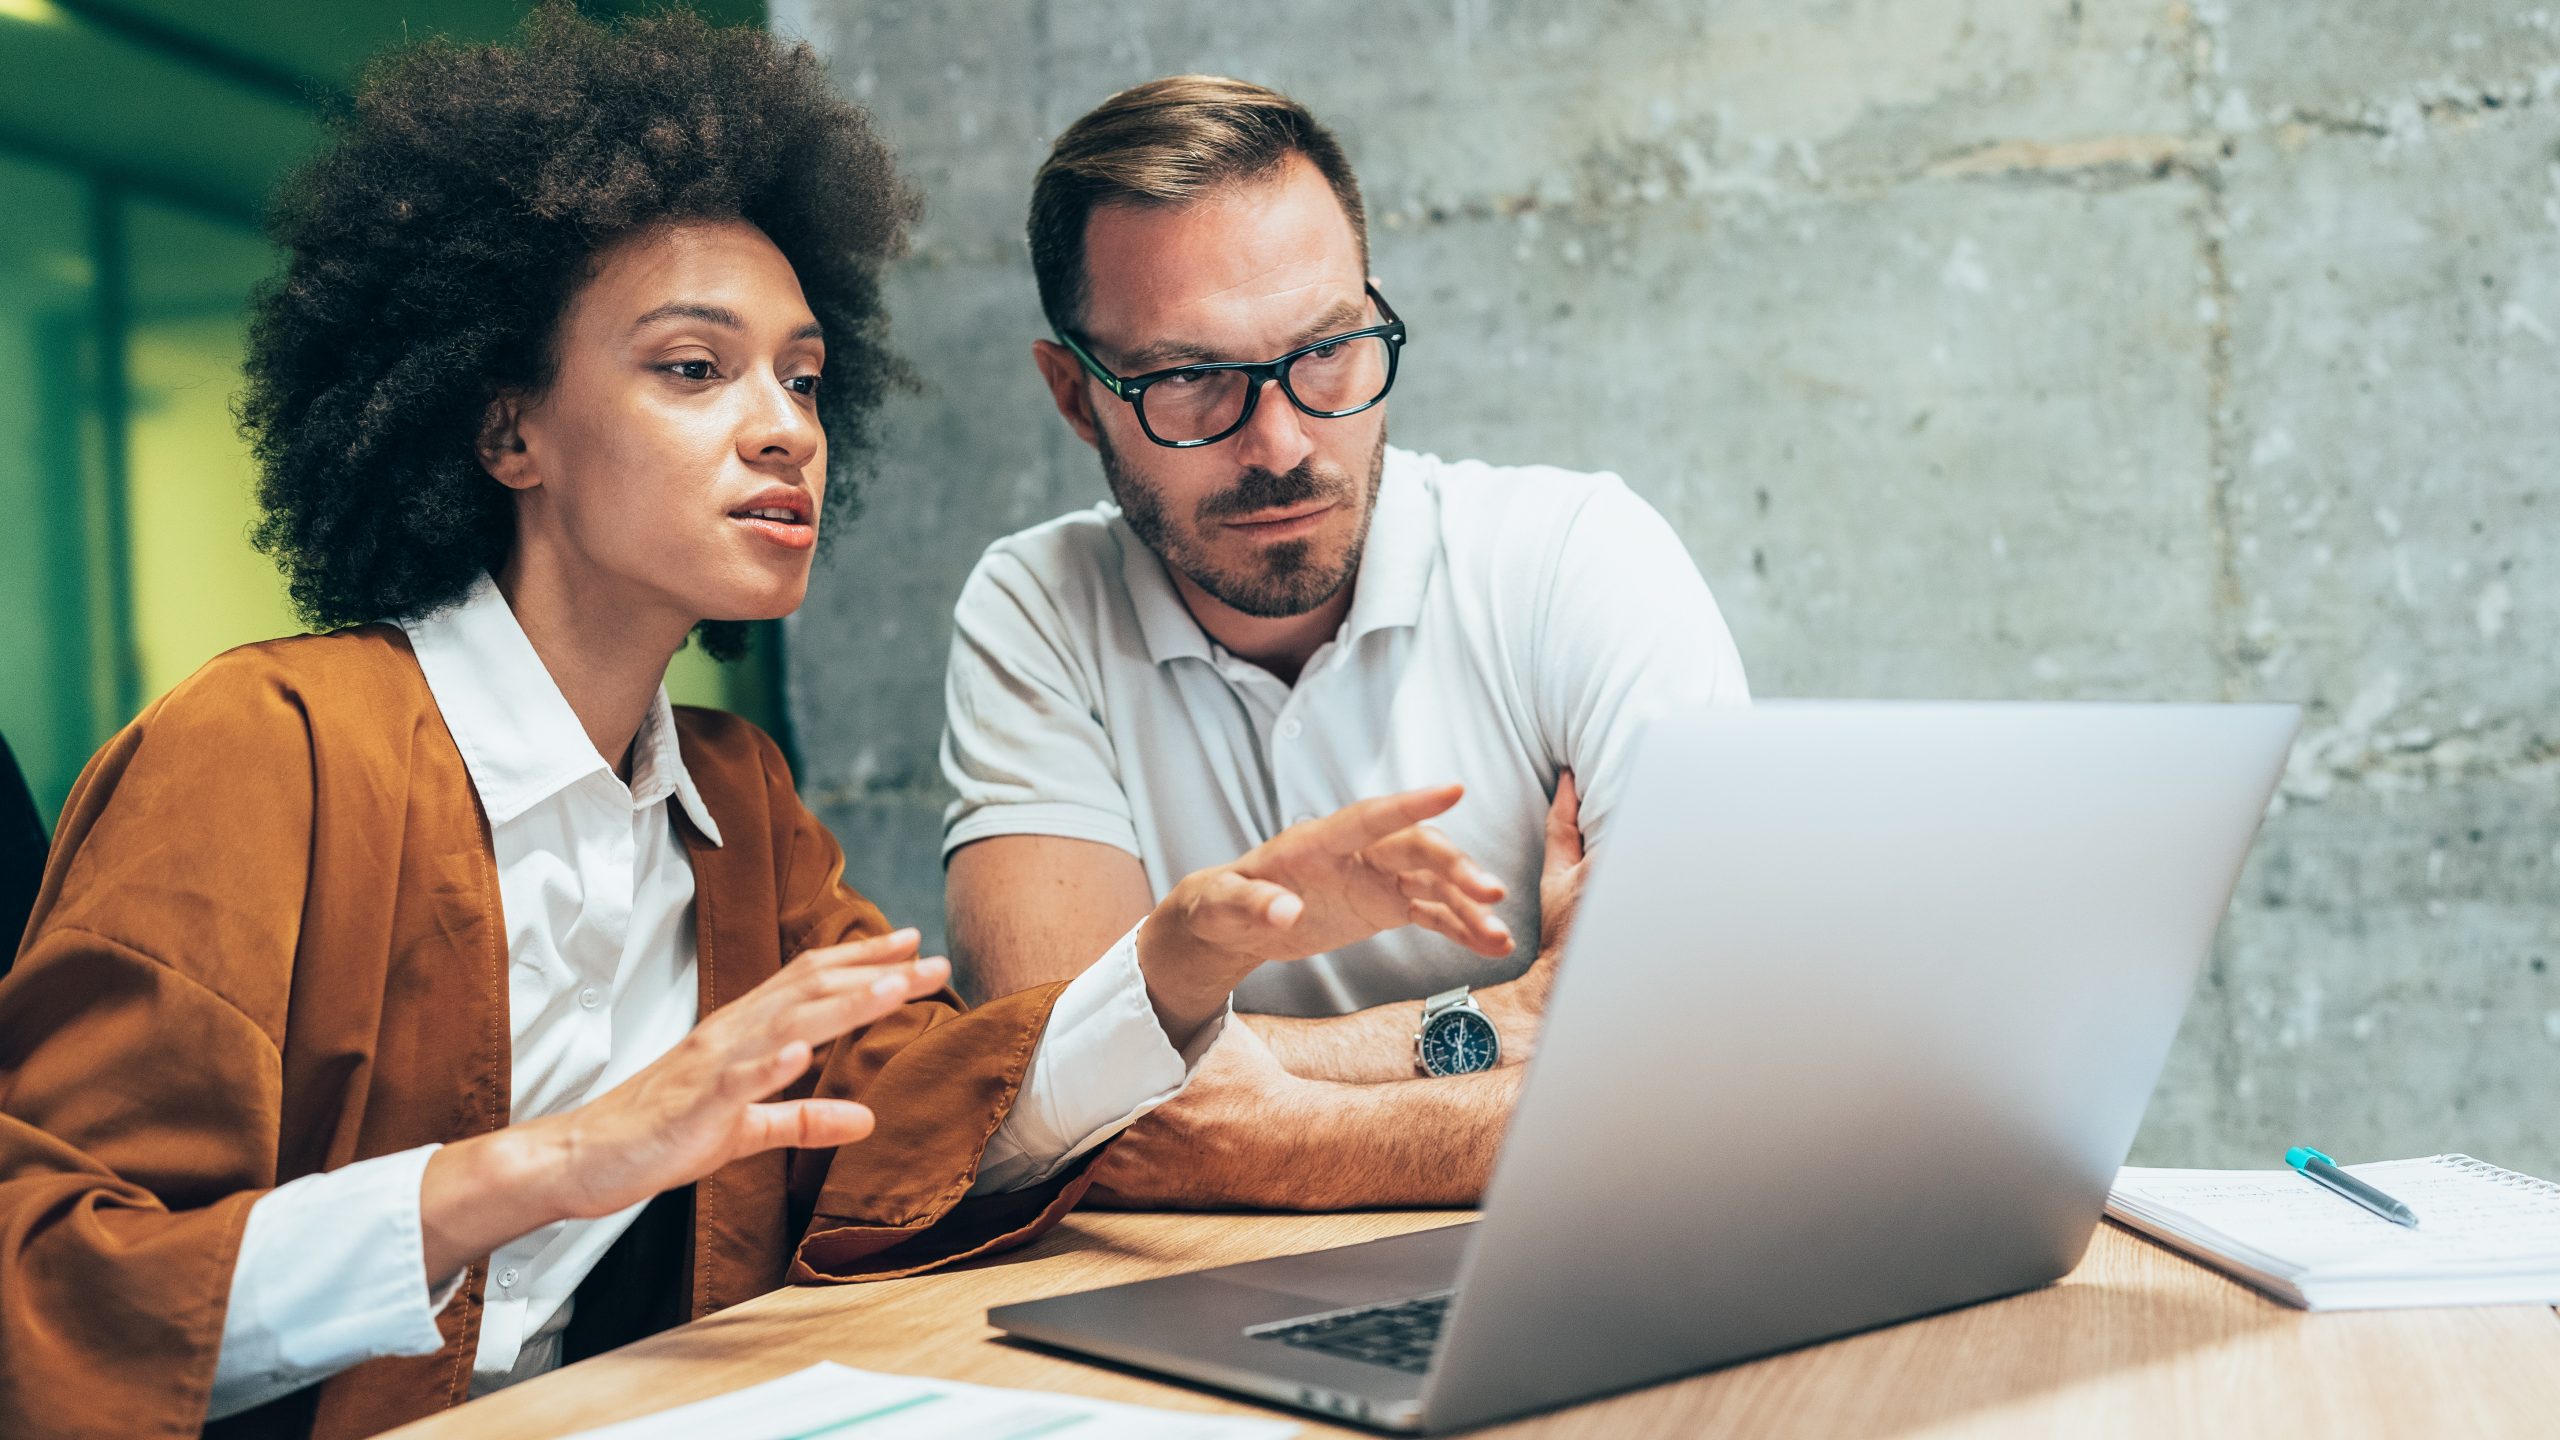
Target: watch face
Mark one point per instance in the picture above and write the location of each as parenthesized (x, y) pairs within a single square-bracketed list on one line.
[(1459, 1042)]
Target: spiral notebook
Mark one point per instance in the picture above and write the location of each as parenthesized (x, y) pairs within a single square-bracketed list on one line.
[(2485, 1236)]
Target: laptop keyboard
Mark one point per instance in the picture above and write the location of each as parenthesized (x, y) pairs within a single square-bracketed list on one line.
[(1400, 1334)]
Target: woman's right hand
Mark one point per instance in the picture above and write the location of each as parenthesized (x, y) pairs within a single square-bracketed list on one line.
[(693, 1110)]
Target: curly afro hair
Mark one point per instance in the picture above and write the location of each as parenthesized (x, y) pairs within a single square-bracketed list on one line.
[(432, 250)]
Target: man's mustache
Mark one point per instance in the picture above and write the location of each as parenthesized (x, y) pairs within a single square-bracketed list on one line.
[(1258, 490)]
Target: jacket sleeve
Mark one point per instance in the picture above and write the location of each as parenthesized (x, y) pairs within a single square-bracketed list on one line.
[(939, 1076), (139, 1089)]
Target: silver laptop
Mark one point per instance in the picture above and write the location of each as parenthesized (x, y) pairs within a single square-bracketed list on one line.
[(1857, 1021)]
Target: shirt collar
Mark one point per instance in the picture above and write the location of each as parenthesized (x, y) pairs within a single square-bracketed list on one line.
[(1395, 569), (657, 767), (1163, 619), (1403, 548), (520, 741)]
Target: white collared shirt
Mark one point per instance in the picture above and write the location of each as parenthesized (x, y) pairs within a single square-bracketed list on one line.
[(597, 895), (1507, 623)]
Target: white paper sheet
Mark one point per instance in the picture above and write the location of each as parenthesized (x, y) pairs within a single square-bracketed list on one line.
[(828, 1401)]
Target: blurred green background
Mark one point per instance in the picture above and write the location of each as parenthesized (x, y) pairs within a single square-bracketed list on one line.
[(138, 142)]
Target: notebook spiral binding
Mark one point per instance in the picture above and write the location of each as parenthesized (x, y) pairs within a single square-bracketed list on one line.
[(2500, 1175)]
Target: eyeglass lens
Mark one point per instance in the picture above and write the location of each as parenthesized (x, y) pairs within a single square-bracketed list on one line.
[(1196, 404)]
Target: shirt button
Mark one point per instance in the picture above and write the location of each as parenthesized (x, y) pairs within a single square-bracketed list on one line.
[(590, 997), (507, 1278), (1289, 728)]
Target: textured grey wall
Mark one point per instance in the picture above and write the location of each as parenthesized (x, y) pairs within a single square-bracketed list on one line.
[(1984, 348)]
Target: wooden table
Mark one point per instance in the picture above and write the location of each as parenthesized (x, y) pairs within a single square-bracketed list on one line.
[(2136, 1342)]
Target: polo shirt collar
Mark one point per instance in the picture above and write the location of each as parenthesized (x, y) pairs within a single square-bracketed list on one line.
[(1395, 569), (520, 741), (1163, 619), (1404, 546)]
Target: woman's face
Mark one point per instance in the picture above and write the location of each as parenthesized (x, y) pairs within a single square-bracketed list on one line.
[(674, 469)]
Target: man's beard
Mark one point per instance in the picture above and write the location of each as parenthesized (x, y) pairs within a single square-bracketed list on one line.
[(1288, 579)]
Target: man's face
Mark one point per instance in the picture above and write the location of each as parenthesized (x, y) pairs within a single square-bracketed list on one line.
[(1270, 520), (675, 463)]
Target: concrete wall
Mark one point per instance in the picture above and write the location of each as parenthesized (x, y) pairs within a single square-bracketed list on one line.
[(1983, 348)]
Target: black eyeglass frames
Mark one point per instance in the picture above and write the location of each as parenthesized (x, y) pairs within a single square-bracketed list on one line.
[(1192, 405)]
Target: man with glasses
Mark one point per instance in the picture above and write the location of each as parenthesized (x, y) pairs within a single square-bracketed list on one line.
[(1280, 614)]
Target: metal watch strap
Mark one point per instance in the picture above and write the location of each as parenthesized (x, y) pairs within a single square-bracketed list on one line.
[(1443, 1001)]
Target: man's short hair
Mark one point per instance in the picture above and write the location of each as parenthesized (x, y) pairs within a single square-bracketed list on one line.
[(1168, 142)]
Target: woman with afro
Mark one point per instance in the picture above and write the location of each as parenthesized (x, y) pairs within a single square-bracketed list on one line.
[(415, 1006)]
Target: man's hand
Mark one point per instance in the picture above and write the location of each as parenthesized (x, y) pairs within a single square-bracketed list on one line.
[(1248, 1133), (1169, 1159), (693, 1110), (1310, 889), (1375, 1045), (1560, 876), (1518, 1007)]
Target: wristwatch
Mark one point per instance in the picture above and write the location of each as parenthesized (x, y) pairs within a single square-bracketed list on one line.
[(1455, 1038)]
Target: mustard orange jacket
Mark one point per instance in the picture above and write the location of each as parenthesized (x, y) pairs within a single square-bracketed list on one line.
[(269, 943)]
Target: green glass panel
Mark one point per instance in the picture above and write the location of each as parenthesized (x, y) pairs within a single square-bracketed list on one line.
[(81, 97), (55, 705), (745, 686), (199, 587), (329, 42)]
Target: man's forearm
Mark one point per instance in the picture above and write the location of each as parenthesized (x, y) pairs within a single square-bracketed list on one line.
[(1326, 1147), (1365, 1047), (1368, 1047)]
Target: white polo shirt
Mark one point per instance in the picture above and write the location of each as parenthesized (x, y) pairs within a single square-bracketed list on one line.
[(1508, 623)]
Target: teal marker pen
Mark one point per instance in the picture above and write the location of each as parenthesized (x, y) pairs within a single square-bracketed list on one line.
[(2319, 1167)]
